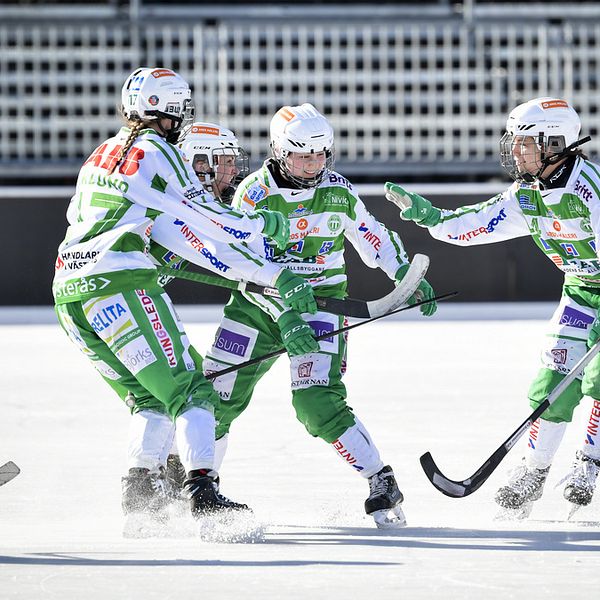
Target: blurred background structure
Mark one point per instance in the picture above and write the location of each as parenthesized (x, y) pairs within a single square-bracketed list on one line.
[(417, 92)]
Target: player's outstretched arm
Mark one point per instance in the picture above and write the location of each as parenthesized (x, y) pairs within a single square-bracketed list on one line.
[(412, 206)]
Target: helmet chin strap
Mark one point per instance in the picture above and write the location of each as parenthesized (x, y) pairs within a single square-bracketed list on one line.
[(207, 179), (553, 159), (172, 134)]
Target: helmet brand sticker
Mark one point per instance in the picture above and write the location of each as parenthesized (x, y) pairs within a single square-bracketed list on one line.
[(205, 129), (286, 113), (554, 104), (162, 73)]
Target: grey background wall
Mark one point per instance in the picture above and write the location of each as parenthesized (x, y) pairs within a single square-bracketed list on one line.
[(514, 270)]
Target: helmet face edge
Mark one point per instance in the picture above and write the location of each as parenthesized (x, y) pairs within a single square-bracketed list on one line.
[(303, 130), (550, 122), (206, 143)]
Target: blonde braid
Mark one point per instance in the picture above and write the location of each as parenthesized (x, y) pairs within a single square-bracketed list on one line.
[(136, 127)]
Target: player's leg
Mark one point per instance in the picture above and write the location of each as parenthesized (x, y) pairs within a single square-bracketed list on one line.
[(565, 344), (245, 332), (581, 482), (319, 399), (144, 487), (143, 331)]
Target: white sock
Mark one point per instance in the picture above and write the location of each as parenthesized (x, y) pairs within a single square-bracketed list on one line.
[(591, 444), (195, 431), (150, 436), (356, 448), (220, 449), (544, 440)]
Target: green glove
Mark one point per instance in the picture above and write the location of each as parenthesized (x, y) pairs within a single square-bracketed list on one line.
[(295, 292), (594, 334), (424, 292), (412, 206), (277, 227), (296, 334)]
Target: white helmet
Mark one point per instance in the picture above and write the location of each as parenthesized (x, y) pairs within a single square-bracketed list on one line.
[(207, 142), (552, 123), (302, 129), (150, 94)]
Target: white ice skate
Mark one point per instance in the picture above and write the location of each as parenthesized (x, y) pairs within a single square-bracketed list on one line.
[(524, 487)]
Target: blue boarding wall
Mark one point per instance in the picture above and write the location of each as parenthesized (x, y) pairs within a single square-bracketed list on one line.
[(508, 271)]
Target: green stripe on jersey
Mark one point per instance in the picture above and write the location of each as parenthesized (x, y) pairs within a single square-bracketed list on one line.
[(116, 207), (180, 175)]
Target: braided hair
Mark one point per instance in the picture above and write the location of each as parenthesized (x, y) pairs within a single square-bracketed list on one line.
[(136, 125)]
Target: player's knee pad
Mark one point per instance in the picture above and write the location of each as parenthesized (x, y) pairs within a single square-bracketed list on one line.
[(562, 408), (323, 411)]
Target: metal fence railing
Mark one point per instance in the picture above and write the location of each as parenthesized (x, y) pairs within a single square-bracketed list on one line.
[(406, 96)]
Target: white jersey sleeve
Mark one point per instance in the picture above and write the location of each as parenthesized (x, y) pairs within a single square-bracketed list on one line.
[(175, 190), (236, 262), (494, 220), (376, 245)]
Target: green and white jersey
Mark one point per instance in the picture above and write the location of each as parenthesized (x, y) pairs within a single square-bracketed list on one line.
[(564, 222), (174, 243), (111, 216), (321, 219)]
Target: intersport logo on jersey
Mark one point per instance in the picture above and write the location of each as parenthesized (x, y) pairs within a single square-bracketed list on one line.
[(197, 244), (491, 226)]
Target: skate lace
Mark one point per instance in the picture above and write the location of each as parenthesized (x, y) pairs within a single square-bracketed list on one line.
[(584, 472), (158, 483), (378, 485), (526, 480)]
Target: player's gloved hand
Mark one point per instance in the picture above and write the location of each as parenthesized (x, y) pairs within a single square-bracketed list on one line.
[(277, 227), (424, 292), (296, 334), (412, 206), (295, 292), (594, 334)]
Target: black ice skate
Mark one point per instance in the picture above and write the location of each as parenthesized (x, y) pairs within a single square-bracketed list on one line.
[(144, 491), (582, 480), (384, 501), (524, 487), (202, 489)]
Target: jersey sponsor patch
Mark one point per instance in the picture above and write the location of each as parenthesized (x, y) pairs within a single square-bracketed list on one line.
[(310, 370), (370, 237), (334, 223), (490, 228), (583, 191), (321, 328), (571, 317), (255, 193), (136, 355), (525, 203), (160, 331), (569, 249), (231, 342), (111, 319)]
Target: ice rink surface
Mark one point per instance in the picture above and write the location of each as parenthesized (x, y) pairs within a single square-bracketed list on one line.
[(456, 388)]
